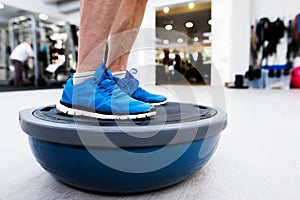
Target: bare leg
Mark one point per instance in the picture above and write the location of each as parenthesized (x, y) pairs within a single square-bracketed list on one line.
[(96, 21), (123, 33)]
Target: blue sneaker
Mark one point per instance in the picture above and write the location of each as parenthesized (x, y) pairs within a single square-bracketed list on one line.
[(130, 85), (100, 97)]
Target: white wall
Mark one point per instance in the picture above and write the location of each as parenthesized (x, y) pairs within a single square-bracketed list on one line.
[(231, 30), (221, 16), (275, 8), (239, 38)]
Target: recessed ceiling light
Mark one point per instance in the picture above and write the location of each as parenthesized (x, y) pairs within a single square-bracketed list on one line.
[(172, 55), (161, 56), (206, 34), (181, 54), (1, 5), (209, 22), (180, 40), (22, 18), (166, 42), (166, 10), (191, 5), (61, 23), (196, 39), (189, 24), (54, 27), (43, 16), (206, 41), (168, 27)]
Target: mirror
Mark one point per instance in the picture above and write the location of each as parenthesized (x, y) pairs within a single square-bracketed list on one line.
[(183, 52), (53, 41)]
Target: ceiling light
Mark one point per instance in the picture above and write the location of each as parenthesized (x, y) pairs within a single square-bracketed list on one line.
[(172, 55), (181, 54), (161, 56), (54, 28), (206, 34), (166, 10), (166, 42), (59, 36), (21, 18), (206, 41), (196, 39), (43, 16), (1, 5), (191, 5), (61, 23), (189, 24), (209, 22), (168, 27), (180, 40)]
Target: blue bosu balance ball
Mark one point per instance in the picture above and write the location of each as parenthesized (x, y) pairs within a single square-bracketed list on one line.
[(124, 156)]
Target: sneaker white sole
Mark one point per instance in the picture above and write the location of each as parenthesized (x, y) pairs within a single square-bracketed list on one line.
[(159, 103), (77, 112)]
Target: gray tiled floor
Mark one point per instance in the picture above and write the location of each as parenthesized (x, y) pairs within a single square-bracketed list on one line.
[(258, 157)]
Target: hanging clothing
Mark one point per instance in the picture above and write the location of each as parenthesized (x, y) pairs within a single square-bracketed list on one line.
[(268, 35), (296, 36)]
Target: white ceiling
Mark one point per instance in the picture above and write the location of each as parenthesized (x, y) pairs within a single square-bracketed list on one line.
[(63, 6), (10, 12)]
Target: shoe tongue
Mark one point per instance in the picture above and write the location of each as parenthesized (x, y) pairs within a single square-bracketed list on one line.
[(100, 70), (108, 73), (105, 75), (103, 72)]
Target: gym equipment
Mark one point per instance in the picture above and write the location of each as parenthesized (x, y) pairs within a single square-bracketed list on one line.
[(19, 29), (277, 76), (43, 35), (295, 79), (4, 72), (239, 82), (124, 156)]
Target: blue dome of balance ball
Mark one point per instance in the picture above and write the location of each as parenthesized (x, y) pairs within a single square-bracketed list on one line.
[(124, 156)]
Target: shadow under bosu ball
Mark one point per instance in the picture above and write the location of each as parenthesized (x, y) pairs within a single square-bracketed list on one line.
[(124, 156)]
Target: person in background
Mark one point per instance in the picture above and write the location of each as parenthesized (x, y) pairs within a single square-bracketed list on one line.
[(19, 55), (167, 60)]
